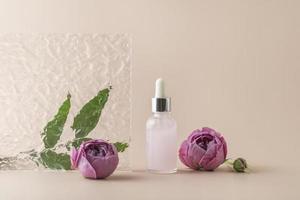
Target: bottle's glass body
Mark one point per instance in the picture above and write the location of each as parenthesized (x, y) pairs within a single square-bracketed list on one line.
[(161, 136)]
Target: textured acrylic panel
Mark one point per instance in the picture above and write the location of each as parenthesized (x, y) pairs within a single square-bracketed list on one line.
[(37, 71)]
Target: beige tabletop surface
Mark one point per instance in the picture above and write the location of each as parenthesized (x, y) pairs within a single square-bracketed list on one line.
[(260, 183)]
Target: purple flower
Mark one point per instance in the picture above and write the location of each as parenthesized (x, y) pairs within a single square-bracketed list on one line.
[(95, 159), (203, 149)]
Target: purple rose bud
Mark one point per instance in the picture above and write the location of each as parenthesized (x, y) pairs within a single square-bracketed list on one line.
[(95, 159), (203, 149)]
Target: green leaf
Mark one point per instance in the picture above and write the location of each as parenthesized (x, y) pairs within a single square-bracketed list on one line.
[(76, 143), (54, 128), (121, 146), (53, 160), (88, 117)]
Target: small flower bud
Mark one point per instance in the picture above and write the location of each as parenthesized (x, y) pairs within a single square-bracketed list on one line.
[(240, 165)]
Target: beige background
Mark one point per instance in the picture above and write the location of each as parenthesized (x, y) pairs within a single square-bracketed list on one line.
[(231, 65)]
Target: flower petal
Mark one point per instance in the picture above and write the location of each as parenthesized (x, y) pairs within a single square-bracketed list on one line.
[(195, 155), (217, 160), (194, 135), (104, 167), (86, 168), (224, 146), (74, 155), (183, 153), (208, 156)]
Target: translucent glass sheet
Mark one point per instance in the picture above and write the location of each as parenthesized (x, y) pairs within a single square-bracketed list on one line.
[(37, 71)]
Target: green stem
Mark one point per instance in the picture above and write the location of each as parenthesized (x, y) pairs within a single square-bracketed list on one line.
[(228, 161)]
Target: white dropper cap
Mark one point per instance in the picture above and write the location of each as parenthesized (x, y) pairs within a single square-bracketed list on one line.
[(160, 103), (159, 88)]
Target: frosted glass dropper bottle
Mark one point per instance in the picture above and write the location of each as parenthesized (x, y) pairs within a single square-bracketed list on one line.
[(161, 134)]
